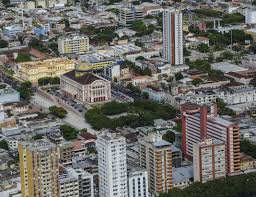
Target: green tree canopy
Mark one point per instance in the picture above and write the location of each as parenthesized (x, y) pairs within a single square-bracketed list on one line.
[(3, 43), (58, 111), (4, 145), (203, 48), (68, 132)]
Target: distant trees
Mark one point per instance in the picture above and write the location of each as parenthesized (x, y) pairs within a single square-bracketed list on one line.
[(3, 43), (203, 48), (23, 58), (114, 107), (68, 132), (169, 136), (231, 186), (37, 137), (139, 113), (248, 148), (4, 145), (58, 111), (178, 76), (99, 35), (196, 82), (223, 109), (48, 80), (141, 28), (25, 90)]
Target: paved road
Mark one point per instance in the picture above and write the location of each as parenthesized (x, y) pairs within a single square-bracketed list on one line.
[(72, 118)]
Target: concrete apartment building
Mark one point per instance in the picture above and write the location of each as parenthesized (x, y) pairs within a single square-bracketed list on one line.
[(39, 168), (173, 36), (12, 30), (87, 88), (76, 183), (73, 44), (155, 155), (129, 14), (34, 70), (111, 148), (137, 181), (209, 160), (199, 122)]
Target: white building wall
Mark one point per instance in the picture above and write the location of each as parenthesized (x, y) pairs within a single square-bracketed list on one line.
[(172, 28), (112, 165), (138, 184)]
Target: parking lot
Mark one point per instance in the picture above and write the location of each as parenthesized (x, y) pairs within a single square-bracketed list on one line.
[(77, 105)]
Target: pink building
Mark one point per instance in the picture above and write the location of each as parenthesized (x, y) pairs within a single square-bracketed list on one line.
[(200, 122), (87, 88)]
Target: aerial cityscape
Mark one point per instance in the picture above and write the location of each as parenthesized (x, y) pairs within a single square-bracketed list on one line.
[(127, 98)]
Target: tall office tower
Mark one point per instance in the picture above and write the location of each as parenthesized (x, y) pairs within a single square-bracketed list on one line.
[(39, 169), (137, 181), (111, 148), (155, 155), (199, 122), (172, 36), (209, 160)]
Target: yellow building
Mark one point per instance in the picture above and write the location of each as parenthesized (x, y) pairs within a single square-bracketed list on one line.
[(39, 169), (55, 67), (75, 44)]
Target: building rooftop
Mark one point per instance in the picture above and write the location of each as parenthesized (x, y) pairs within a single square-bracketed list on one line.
[(222, 121), (182, 174), (85, 79), (227, 67), (39, 145)]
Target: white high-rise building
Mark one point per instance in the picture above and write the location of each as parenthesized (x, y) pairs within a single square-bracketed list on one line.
[(112, 166), (172, 36), (137, 181)]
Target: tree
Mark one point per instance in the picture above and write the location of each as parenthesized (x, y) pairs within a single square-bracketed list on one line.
[(66, 22), (37, 137), (196, 82), (113, 107), (223, 109), (139, 44), (139, 26), (227, 55), (48, 80), (25, 90), (3, 43), (140, 58), (68, 132), (145, 95), (178, 76), (4, 145), (231, 186), (248, 148), (23, 58), (114, 10), (203, 48), (169, 136), (58, 111), (136, 2)]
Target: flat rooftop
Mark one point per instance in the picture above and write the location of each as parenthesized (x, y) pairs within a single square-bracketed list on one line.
[(227, 67)]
